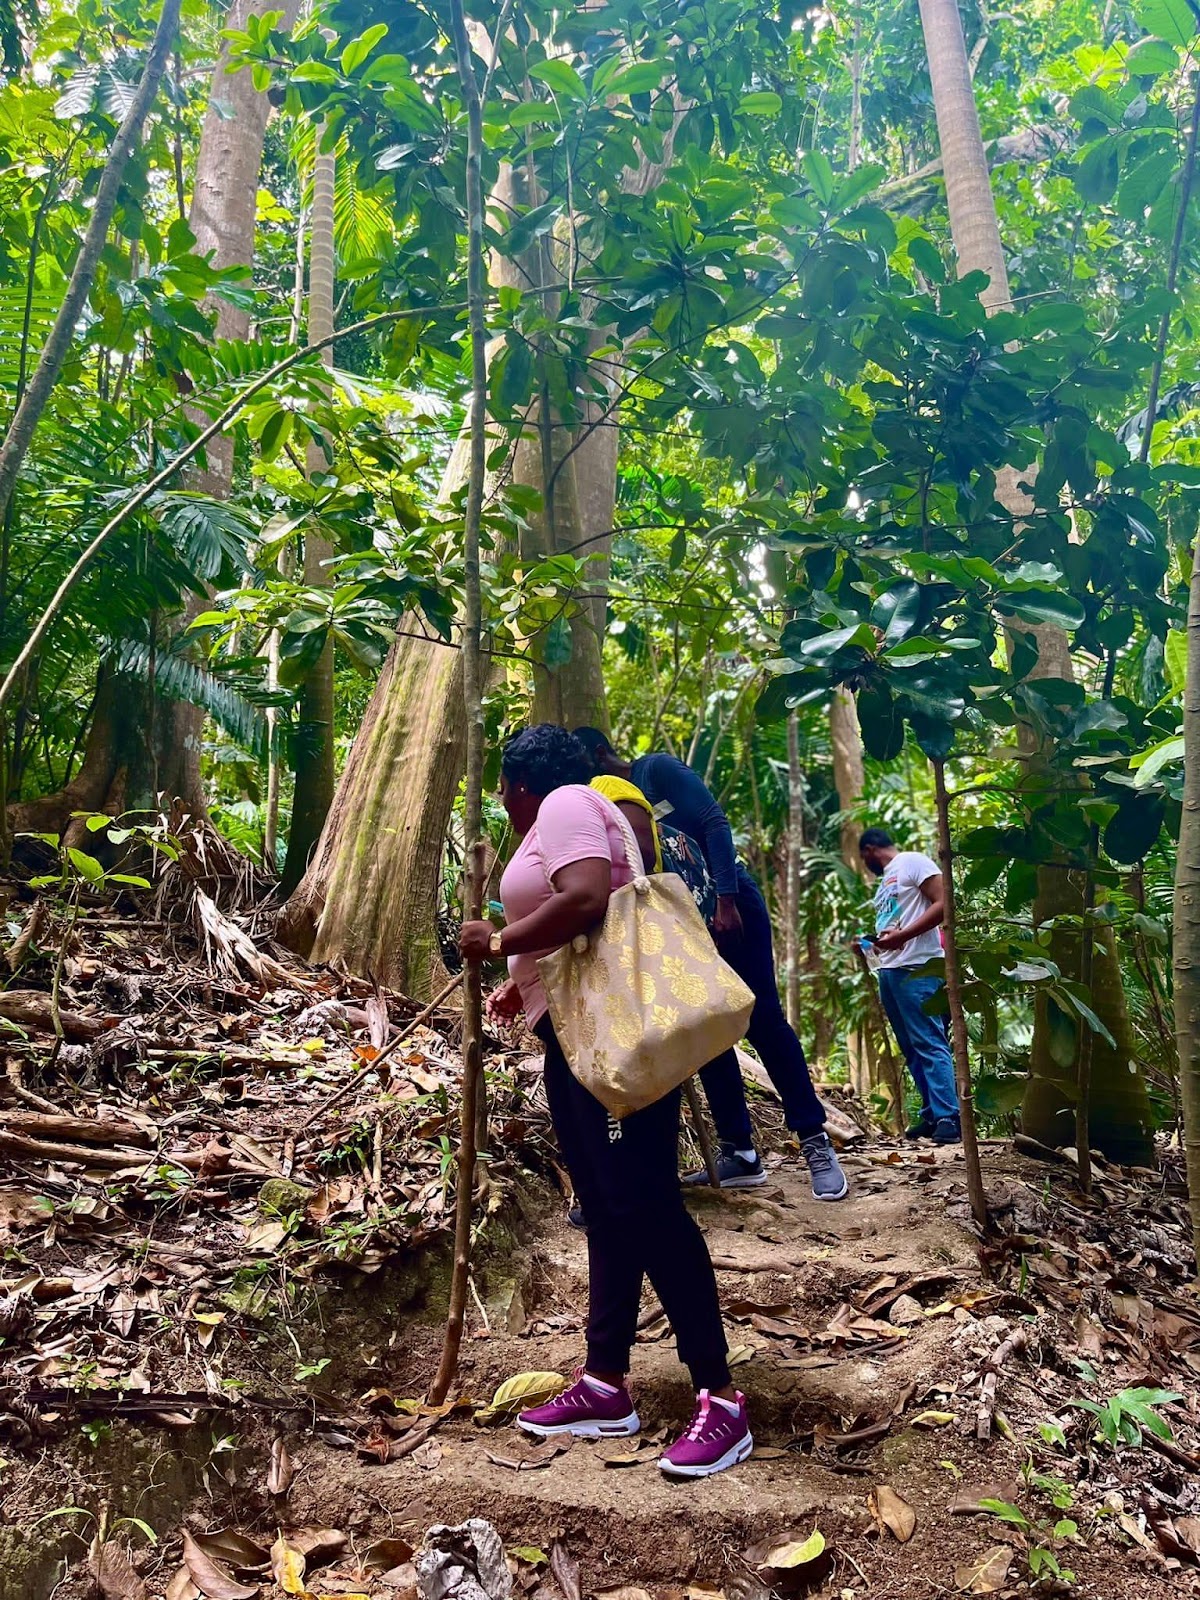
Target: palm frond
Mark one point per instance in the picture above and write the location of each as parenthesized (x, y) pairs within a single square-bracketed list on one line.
[(208, 534), (361, 220), (44, 309), (178, 678)]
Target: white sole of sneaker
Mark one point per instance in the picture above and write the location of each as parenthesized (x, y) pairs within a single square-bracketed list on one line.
[(840, 1195), (739, 1452), (752, 1180), (620, 1429)]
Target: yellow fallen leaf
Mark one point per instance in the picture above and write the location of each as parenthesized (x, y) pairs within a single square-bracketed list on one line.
[(933, 1419), (795, 1552), (287, 1567), (526, 1390)]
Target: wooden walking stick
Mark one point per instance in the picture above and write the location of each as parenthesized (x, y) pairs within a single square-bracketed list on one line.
[(702, 1133)]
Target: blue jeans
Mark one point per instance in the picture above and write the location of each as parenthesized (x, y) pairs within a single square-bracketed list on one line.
[(922, 1038), (751, 956)]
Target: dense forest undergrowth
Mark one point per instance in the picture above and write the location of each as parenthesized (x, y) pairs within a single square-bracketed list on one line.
[(226, 1271), (807, 392)]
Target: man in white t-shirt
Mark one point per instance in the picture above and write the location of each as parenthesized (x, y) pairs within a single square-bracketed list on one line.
[(910, 903)]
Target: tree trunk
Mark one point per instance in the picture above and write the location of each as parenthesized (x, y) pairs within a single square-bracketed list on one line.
[(791, 898), (958, 1021), (473, 666), (848, 775), (1118, 1085), (314, 729), (19, 434), (973, 224), (369, 897), (1187, 914)]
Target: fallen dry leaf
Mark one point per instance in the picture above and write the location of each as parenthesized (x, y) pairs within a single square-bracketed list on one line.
[(428, 1455), (181, 1587), (385, 1554), (114, 1574), (623, 1592), (894, 1512), (279, 1473), (933, 1419), (987, 1573), (740, 1310), (626, 1455), (566, 1571), (787, 1552), (287, 1566), (523, 1392), (968, 1498), (213, 1581), (320, 1544), (242, 1552)]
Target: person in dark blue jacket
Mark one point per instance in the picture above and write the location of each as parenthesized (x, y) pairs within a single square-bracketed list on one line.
[(741, 926)]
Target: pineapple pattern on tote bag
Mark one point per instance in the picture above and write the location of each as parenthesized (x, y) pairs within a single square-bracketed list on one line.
[(645, 1000)]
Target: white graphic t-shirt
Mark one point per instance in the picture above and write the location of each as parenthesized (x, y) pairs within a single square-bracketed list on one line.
[(899, 901)]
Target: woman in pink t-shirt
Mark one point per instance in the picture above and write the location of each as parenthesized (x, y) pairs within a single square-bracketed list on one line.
[(557, 885)]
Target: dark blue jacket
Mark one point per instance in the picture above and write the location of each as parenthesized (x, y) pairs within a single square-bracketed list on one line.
[(683, 801)]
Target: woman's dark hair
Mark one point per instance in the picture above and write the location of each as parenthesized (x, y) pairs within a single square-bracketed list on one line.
[(545, 758)]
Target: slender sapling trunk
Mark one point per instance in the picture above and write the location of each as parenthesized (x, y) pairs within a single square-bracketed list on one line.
[(958, 1021), (473, 675)]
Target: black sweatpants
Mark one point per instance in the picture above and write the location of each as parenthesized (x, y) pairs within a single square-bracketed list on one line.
[(626, 1179)]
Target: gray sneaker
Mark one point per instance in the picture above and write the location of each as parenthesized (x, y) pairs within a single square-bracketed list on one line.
[(734, 1171), (828, 1179)]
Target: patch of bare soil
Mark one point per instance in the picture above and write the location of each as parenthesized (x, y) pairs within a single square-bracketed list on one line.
[(222, 1293)]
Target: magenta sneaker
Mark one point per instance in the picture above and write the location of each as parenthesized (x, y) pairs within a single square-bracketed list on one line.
[(718, 1438), (589, 1409)]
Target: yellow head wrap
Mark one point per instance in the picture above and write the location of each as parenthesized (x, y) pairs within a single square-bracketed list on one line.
[(620, 790)]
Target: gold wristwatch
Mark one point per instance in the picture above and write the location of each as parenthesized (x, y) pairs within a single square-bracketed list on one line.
[(494, 944)]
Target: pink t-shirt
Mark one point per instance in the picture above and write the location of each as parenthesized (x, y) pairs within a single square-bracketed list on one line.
[(575, 823)]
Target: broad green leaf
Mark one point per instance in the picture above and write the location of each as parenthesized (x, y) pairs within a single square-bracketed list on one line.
[(882, 724), (1134, 831), (559, 644), (357, 51), (643, 77), (1096, 175), (760, 103), (1149, 763), (1172, 20), (926, 257), (820, 174), (86, 866), (1175, 653), (560, 77), (1152, 58)]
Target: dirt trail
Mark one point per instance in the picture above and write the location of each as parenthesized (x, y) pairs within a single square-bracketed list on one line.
[(843, 1400), (912, 1392)]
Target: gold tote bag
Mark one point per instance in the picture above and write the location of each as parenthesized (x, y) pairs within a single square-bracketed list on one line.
[(643, 1001)]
